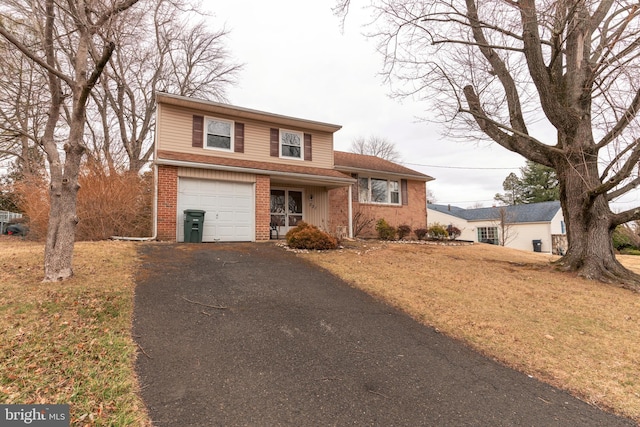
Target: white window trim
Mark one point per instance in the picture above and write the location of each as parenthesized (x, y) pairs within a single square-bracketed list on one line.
[(389, 203), (301, 144), (206, 133)]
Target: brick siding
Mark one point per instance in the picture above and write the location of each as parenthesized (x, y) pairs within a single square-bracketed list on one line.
[(263, 207), (413, 214), (167, 202)]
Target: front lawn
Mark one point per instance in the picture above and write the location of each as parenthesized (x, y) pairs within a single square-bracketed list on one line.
[(511, 305), (70, 342)]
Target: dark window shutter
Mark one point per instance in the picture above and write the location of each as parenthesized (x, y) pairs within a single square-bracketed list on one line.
[(307, 146), (355, 189), (275, 142), (197, 133), (238, 145), (404, 192)]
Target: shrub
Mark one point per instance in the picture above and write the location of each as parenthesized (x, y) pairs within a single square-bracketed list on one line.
[(453, 232), (385, 231), (307, 236), (622, 238), (403, 231), (437, 231), (420, 233), (117, 203), (630, 251)]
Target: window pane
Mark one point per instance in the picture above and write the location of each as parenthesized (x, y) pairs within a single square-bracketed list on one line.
[(394, 189), (277, 201), (363, 190), (290, 139), (218, 134), (291, 144), (295, 202), (379, 193), (216, 141), (289, 151), (219, 128)]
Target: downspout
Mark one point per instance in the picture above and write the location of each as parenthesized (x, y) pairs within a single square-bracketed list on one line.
[(350, 212), (155, 214)]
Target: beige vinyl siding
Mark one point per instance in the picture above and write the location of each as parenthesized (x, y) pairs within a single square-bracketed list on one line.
[(217, 175), (174, 134)]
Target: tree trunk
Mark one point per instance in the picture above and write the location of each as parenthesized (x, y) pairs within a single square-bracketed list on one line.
[(58, 254), (588, 219)]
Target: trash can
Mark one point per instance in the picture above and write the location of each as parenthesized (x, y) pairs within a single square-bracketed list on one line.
[(537, 245), (193, 225)]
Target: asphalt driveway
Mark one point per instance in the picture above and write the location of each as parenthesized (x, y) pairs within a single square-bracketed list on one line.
[(251, 335)]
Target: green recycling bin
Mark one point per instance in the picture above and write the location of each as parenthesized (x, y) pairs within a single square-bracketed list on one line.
[(193, 225)]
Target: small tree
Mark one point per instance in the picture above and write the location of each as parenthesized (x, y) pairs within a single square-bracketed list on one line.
[(504, 223), (361, 220)]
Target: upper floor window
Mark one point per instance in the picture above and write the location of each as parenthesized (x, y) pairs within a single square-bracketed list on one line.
[(291, 144), (377, 190), (219, 134)]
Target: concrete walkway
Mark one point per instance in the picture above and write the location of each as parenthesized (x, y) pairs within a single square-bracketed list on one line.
[(295, 346)]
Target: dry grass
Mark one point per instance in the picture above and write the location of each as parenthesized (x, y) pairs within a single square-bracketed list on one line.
[(70, 342), (579, 335)]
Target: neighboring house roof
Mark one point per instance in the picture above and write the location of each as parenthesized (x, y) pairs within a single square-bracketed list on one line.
[(330, 176), (532, 212), (245, 113), (361, 163)]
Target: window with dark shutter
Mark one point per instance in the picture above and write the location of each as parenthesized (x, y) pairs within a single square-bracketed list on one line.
[(238, 145), (197, 131), (307, 146), (404, 191), (275, 142)]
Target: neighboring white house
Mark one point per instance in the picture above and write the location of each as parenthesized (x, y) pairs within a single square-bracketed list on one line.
[(536, 227)]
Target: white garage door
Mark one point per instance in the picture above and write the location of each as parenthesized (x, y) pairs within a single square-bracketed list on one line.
[(229, 209)]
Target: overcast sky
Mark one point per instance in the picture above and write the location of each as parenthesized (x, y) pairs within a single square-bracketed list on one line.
[(299, 63)]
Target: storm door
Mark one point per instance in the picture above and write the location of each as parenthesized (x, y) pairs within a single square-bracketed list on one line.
[(286, 209)]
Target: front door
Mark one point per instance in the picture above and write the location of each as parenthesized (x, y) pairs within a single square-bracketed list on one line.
[(286, 209)]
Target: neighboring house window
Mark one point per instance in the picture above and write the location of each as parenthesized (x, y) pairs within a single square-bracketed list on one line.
[(488, 235), (563, 230), (291, 144), (376, 190), (219, 134)]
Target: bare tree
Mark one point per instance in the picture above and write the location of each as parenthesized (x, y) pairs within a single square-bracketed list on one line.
[(73, 44), (507, 69), (375, 146), (22, 110), (166, 46), (506, 227)]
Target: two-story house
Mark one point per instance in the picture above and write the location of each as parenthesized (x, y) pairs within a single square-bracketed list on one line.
[(252, 170)]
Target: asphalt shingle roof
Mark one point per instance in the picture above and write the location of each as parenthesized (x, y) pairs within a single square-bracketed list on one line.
[(351, 162), (533, 212)]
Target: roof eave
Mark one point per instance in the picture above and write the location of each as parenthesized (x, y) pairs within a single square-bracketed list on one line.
[(347, 169), (244, 113)]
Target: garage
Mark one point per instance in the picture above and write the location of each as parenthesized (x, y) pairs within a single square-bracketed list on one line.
[(229, 206)]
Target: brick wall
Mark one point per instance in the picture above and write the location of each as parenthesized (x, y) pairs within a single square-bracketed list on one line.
[(167, 202), (338, 209), (413, 214), (263, 207)]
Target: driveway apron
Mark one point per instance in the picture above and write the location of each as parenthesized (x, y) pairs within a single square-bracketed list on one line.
[(249, 334)]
